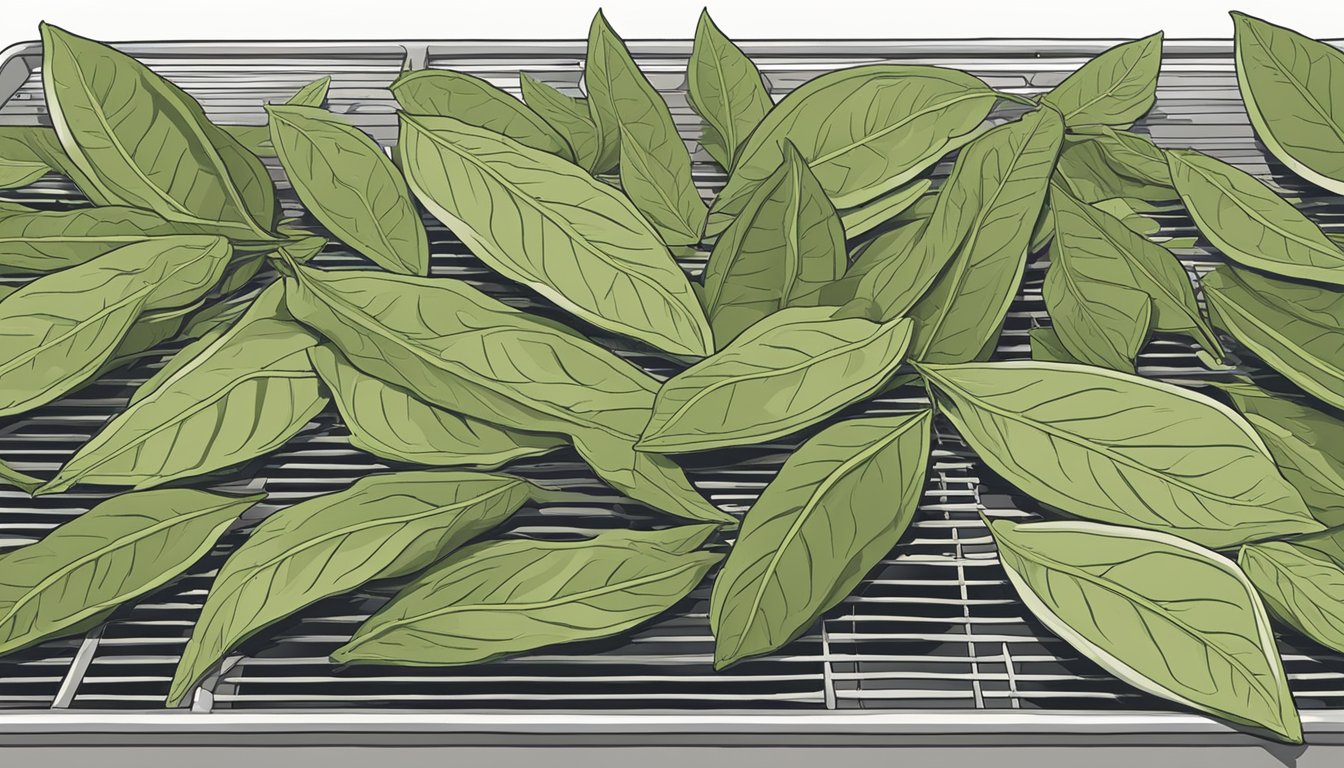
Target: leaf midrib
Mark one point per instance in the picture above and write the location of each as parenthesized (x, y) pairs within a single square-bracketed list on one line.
[(874, 136)]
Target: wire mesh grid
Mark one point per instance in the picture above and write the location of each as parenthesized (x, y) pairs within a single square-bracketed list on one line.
[(935, 626)]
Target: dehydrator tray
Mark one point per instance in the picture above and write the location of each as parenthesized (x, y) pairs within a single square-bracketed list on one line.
[(934, 646)]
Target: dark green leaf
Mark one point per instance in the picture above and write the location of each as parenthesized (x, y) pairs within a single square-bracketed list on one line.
[(1300, 587), (1115, 88), (1120, 449), (115, 552), (1110, 163), (382, 527), (1166, 616), (500, 598), (569, 116), (19, 164), (786, 247), (726, 89), (869, 216), (476, 102), (787, 372), (889, 253), (513, 206), (837, 507)]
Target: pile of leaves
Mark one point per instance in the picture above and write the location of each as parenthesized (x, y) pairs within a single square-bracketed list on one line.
[(839, 268)]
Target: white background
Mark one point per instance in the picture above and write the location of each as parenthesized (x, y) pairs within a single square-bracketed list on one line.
[(746, 19)]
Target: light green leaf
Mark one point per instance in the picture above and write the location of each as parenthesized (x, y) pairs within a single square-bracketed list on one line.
[(1289, 84), (787, 372), (347, 182), (837, 507), (726, 89), (500, 598), (869, 216), (121, 549), (1297, 329), (786, 247), (138, 139), (891, 254), (1098, 314), (1124, 209), (60, 329), (1047, 348), (384, 526), (24, 482), (1115, 88), (1250, 223), (19, 164), (512, 205), (864, 131), (46, 145), (257, 138), (1166, 616), (391, 423), (1120, 449), (48, 241), (654, 480), (477, 102), (249, 175), (1108, 163), (963, 309), (1300, 587), (569, 116), (655, 164)]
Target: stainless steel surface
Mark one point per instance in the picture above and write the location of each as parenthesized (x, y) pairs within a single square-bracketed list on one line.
[(933, 636)]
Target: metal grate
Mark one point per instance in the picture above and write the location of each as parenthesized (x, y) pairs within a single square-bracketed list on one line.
[(936, 626)]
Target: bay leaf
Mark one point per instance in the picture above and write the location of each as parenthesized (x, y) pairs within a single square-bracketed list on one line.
[(837, 507), (569, 116), (235, 395), (391, 423), (350, 186), (648, 478), (43, 142), (1302, 588), (500, 598), (789, 371), (123, 548), (869, 216), (1047, 348), (784, 249), (384, 526), (257, 138), (249, 175), (1306, 443), (1297, 328), (891, 252), (1117, 448), (1116, 87), (19, 164), (138, 139), (962, 310), (1250, 224), (21, 480), (655, 164), (1288, 83), (864, 131), (511, 204), (61, 328), (726, 90), (1108, 163), (477, 102), (48, 241), (1163, 615)]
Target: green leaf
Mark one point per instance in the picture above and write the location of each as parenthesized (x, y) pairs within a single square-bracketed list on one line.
[(512, 205), (1098, 314), (1120, 449), (1124, 209), (1166, 616), (869, 216), (19, 164), (476, 102), (46, 145), (456, 348), (864, 131), (382, 527), (1115, 88), (837, 507), (138, 139), (786, 247), (347, 182), (61, 328), (655, 164), (1300, 587), (235, 395), (393, 424), (257, 138), (123, 548), (787, 372), (1110, 163), (500, 598), (1289, 86), (1047, 348), (1297, 329), (726, 89), (1306, 443), (963, 309), (48, 241), (1250, 223), (570, 118), (892, 255), (24, 482), (249, 175)]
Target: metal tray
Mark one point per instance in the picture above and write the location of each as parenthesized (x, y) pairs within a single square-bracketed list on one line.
[(933, 644)]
